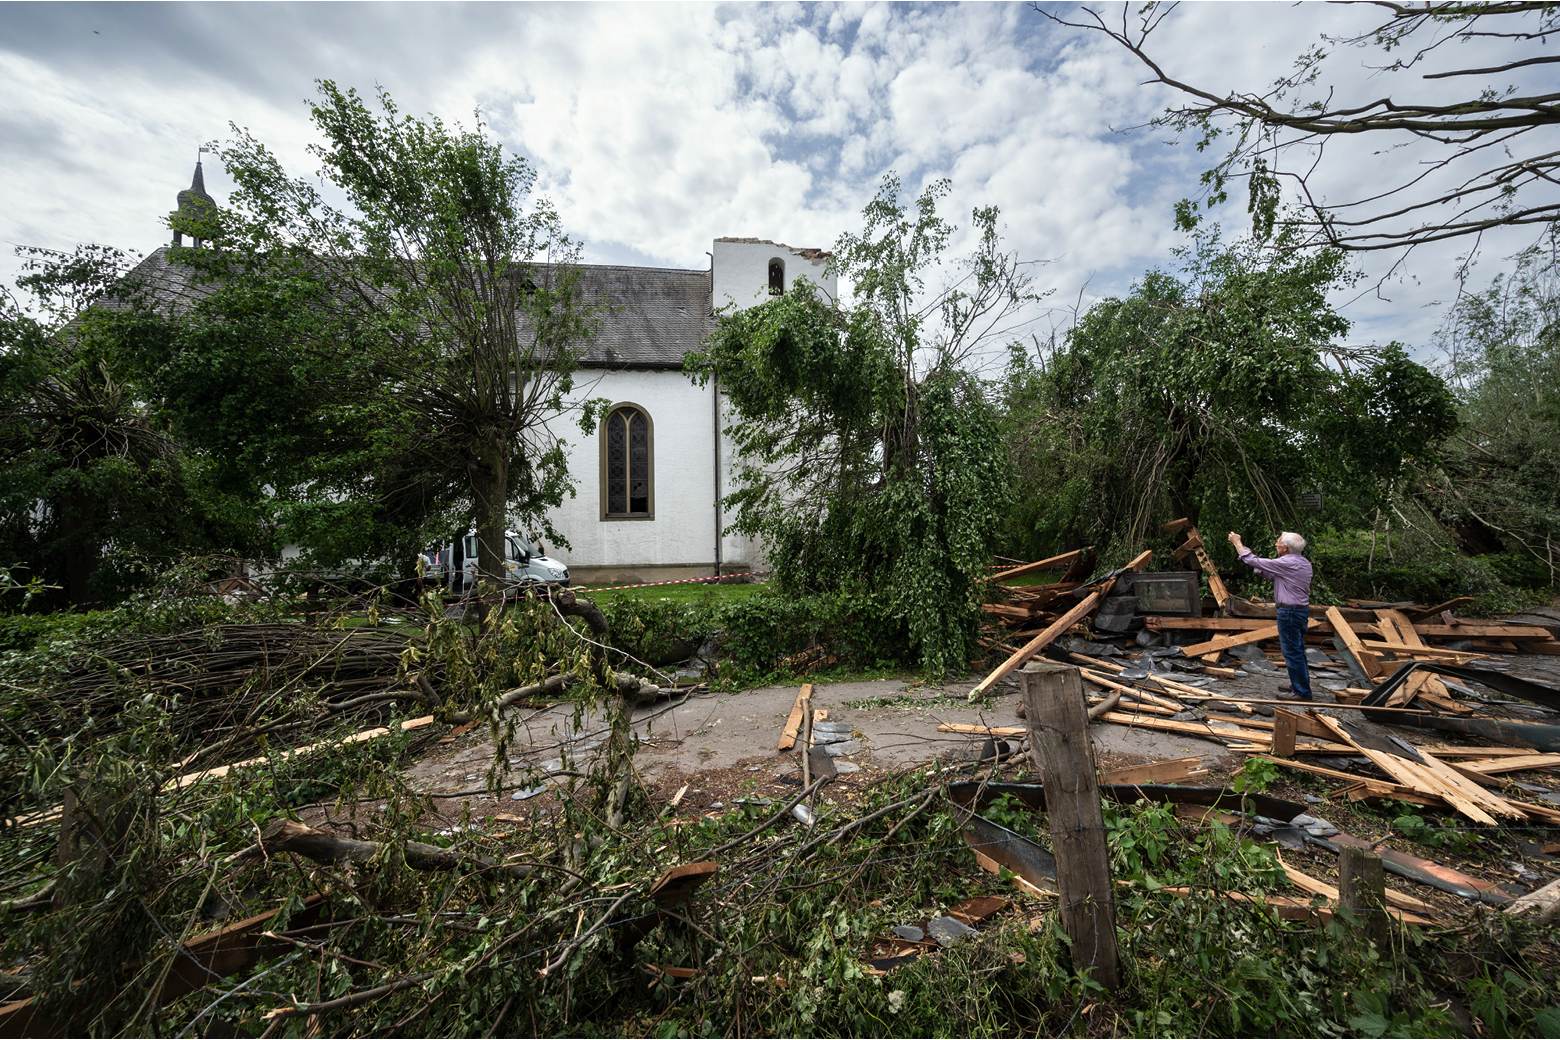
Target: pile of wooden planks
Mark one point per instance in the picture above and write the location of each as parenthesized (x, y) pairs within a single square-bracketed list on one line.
[(1375, 646), (1024, 604), (1464, 780)]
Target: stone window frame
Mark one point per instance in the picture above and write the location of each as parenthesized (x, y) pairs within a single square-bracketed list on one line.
[(604, 442)]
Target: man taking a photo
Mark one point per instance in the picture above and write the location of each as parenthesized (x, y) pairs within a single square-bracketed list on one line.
[(1291, 574)]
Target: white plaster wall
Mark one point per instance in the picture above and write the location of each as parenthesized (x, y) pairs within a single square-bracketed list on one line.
[(684, 528), (742, 271), (682, 531)]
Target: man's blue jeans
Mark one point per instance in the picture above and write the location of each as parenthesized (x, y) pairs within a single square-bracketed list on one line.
[(1292, 622)]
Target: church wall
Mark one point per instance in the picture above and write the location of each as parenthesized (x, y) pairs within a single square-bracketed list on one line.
[(679, 540), (742, 270)]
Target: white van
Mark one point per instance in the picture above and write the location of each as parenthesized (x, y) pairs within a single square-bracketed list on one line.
[(525, 563)]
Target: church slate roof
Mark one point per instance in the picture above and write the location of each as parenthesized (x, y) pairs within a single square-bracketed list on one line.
[(167, 286), (654, 315)]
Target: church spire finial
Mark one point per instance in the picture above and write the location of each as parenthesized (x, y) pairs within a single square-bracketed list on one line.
[(195, 205)]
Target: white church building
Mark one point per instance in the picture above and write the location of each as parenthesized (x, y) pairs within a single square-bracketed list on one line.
[(648, 483)]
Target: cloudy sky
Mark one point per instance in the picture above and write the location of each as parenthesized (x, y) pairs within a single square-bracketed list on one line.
[(656, 128)]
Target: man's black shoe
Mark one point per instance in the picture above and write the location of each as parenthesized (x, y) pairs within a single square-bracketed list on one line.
[(1290, 695)]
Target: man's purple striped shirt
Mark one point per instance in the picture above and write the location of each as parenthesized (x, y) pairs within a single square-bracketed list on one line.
[(1291, 574)]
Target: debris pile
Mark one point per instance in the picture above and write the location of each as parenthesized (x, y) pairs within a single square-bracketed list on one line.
[(1413, 704)]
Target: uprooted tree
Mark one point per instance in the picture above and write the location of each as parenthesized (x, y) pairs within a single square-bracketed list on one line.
[(1218, 393), (398, 361), (871, 459)]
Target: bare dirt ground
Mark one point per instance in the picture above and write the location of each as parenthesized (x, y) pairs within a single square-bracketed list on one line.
[(714, 748), (723, 746)]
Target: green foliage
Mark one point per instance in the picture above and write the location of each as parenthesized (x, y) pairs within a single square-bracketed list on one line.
[(871, 460), (1422, 564), (382, 372), (89, 476), (854, 627), (661, 631), (1013, 814), (1214, 393), (780, 936), (1257, 775), (1440, 835), (1498, 490)]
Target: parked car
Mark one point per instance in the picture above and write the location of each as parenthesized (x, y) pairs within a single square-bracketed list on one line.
[(525, 563)]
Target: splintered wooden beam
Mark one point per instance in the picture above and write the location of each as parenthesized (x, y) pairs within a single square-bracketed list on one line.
[(1427, 612), (1004, 610), (1220, 643), (1472, 631), (1056, 628), (1428, 653), (1195, 729), (1167, 772), (1041, 565), (1351, 643), (1316, 886), (983, 731), (678, 884), (1194, 542), (793, 724), (1420, 683), (1040, 642), (1432, 777), (1511, 763)]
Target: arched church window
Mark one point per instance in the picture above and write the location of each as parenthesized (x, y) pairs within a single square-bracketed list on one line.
[(776, 277), (627, 464)]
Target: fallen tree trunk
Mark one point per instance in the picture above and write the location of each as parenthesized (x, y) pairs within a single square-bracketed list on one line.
[(328, 849), (570, 605)]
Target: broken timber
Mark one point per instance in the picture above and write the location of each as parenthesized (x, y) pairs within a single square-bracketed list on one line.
[(1056, 628), (1059, 742), (794, 723), (1040, 565), (1221, 643)]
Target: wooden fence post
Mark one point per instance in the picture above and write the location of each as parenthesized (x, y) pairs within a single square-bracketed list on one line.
[(1284, 729), (1362, 888), (1059, 740)]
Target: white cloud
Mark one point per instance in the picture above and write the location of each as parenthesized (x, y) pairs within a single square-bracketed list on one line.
[(657, 128)]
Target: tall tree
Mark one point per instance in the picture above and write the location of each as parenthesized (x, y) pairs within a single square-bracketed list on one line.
[(871, 460), (1217, 392), (1499, 485), (84, 464), (1492, 160), (433, 326)]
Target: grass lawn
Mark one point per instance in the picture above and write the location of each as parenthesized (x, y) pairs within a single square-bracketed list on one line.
[(690, 594)]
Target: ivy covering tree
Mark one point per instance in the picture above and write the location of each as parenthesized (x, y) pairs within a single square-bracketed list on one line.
[(871, 461), (390, 367), (1218, 393)]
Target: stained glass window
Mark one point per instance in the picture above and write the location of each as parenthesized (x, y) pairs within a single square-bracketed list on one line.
[(628, 463)]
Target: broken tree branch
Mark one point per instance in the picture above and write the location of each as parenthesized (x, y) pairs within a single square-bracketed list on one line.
[(289, 836)]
